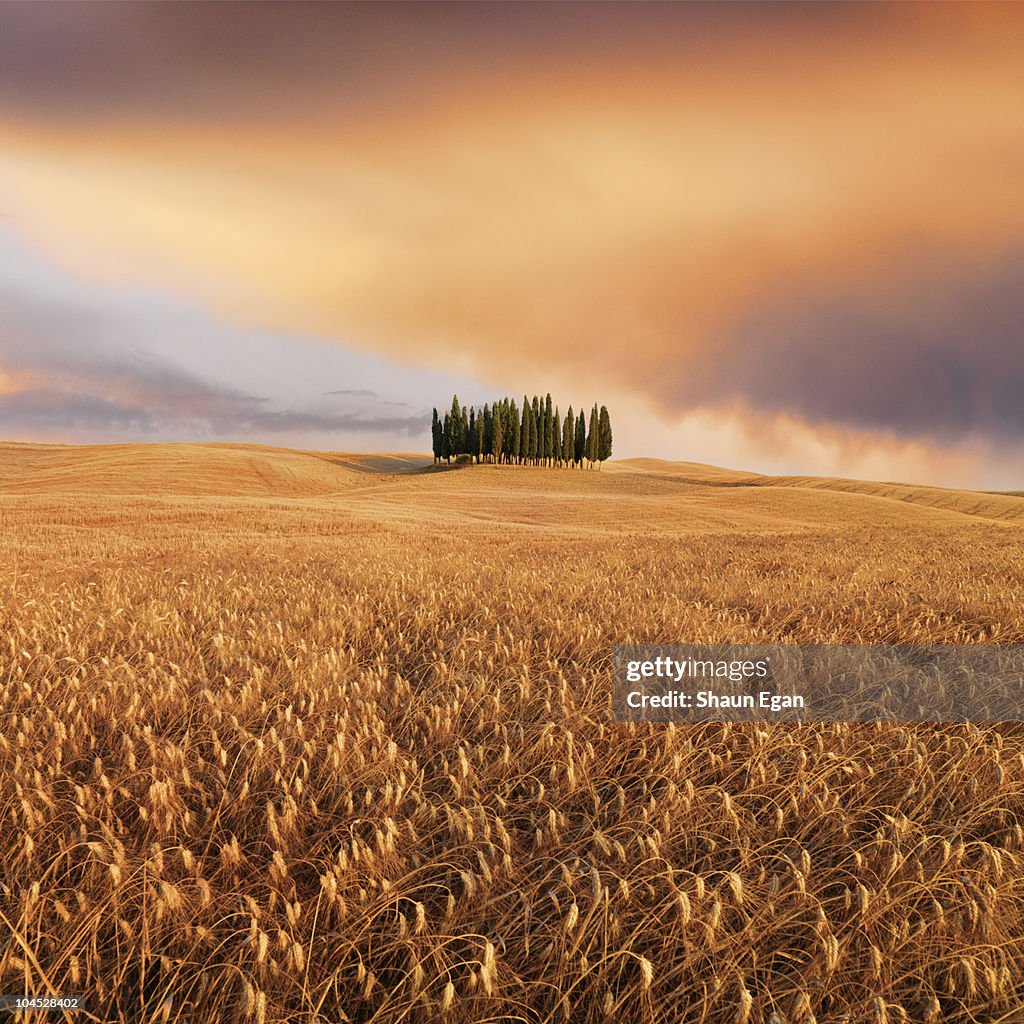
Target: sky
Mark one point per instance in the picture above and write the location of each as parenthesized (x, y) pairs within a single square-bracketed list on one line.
[(786, 237)]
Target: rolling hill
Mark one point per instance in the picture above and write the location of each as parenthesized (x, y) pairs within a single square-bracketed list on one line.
[(673, 495)]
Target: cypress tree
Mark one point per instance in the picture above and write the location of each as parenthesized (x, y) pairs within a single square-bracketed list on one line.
[(499, 429), (499, 439), (524, 432), (544, 438), (592, 437), (478, 445), (513, 427), (580, 443), (471, 433), (456, 437), (531, 452), (556, 438), (446, 439), (506, 431), (538, 442), (488, 433), (436, 436), (604, 435), (567, 438), (549, 440), (465, 432)]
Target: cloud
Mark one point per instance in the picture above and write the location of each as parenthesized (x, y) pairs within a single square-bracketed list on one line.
[(935, 354), (291, 420), (45, 410), (365, 393), (73, 360), (806, 214), (139, 395), (219, 60)]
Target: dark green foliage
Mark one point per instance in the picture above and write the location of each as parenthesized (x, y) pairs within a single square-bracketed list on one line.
[(505, 412), (524, 432), (513, 431), (436, 436), (604, 435), (592, 436), (456, 433), (580, 442), (568, 448), (488, 419), (549, 439), (537, 444), (499, 435)]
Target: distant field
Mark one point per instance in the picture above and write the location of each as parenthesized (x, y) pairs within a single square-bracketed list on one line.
[(297, 736)]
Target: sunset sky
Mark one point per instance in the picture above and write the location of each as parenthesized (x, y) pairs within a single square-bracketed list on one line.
[(781, 238)]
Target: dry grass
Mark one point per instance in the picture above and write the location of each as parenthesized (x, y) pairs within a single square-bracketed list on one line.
[(348, 756)]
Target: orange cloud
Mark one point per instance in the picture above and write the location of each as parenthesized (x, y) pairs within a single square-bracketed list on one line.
[(8, 384)]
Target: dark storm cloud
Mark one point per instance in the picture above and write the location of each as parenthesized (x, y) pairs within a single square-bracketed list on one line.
[(939, 358), (215, 59)]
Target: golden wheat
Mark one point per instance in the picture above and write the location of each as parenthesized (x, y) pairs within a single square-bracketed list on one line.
[(350, 757)]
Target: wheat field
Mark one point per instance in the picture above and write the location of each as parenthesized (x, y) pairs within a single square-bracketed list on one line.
[(294, 737)]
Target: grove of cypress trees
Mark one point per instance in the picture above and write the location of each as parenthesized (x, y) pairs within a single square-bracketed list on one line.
[(538, 435)]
